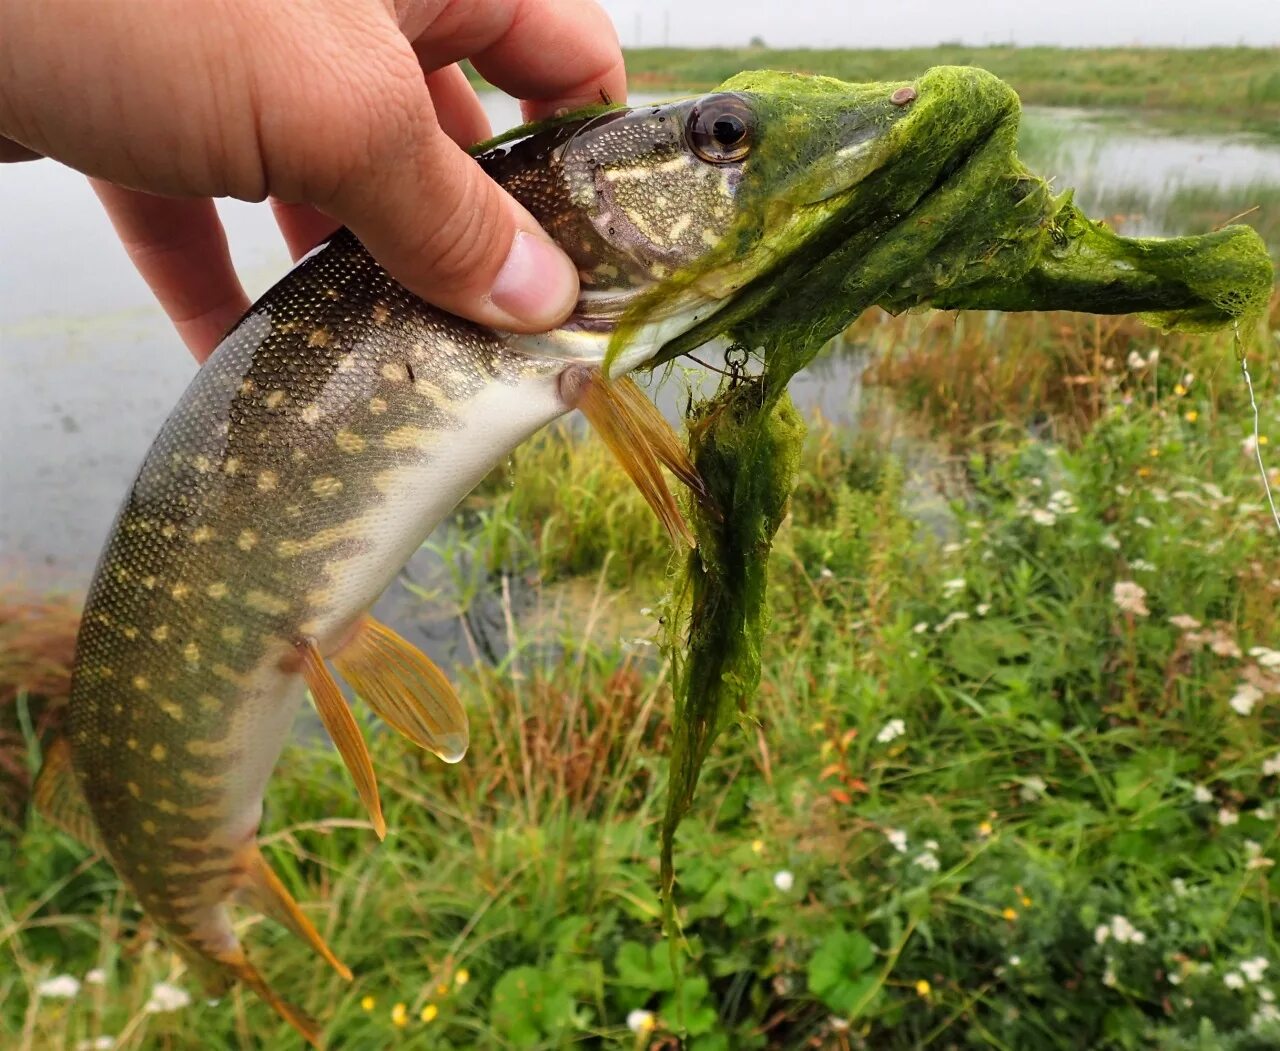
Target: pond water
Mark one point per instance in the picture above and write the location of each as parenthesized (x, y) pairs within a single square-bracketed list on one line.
[(89, 367)]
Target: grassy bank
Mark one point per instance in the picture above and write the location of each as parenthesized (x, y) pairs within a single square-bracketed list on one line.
[(1242, 84), (1011, 781)]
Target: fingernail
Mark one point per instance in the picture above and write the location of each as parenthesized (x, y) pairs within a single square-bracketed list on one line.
[(537, 285)]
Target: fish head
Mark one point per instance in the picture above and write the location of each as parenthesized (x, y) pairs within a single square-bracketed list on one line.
[(674, 212)]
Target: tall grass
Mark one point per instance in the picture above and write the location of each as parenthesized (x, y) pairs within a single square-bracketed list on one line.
[(1235, 84)]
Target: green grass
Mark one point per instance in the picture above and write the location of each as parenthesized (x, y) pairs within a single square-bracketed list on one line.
[(1238, 85), (1062, 762)]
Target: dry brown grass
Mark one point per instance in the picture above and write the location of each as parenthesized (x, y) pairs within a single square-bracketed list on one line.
[(37, 644)]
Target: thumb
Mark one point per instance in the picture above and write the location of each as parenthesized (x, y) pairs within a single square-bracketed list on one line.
[(431, 216)]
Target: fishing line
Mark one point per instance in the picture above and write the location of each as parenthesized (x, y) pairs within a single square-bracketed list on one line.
[(1257, 443)]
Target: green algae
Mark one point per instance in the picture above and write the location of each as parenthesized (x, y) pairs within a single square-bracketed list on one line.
[(721, 599), (944, 216)]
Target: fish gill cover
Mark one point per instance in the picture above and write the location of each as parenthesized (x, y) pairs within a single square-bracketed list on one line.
[(947, 217)]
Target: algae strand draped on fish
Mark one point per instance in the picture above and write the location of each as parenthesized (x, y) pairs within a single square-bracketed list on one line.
[(944, 216)]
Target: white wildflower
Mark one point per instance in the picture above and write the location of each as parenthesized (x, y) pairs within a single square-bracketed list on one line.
[(1227, 817), (1109, 976), (891, 730), (1267, 658), (1143, 521), (1109, 540), (1015, 960), (982, 609), (1130, 597), (952, 549), (784, 881), (1245, 697), (838, 1025), (1271, 767), (1264, 813), (63, 987), (826, 573), (1174, 978), (1154, 356), (1032, 789), (951, 618), (1101, 933), (641, 1021), (1267, 995), (898, 838), (1062, 502), (1135, 361), (1252, 969), (166, 997), (1233, 980), (1125, 932), (1201, 794), (927, 861), (1223, 645), (1142, 565), (1159, 496), (97, 976), (1249, 446), (1179, 886), (1183, 622), (1264, 1015), (1043, 517), (921, 627), (952, 587)]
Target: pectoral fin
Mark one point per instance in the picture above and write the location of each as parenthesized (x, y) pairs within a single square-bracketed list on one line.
[(344, 731), (641, 439), (58, 797), (401, 684)]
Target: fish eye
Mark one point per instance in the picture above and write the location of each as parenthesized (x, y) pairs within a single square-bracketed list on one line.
[(719, 129)]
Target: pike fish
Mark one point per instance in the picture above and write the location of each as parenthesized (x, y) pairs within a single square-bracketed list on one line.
[(343, 418), (335, 426)]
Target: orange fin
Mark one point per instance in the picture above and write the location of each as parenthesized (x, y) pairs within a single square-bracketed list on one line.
[(238, 964), (403, 685), (640, 438), (265, 892), (344, 731), (59, 799)]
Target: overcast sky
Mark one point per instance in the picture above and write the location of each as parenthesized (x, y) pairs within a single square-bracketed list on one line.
[(910, 23)]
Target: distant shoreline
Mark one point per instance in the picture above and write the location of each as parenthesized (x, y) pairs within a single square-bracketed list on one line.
[(1238, 83)]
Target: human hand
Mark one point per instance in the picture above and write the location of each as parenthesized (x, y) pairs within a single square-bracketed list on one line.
[(345, 112)]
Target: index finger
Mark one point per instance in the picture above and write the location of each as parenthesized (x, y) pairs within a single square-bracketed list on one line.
[(552, 54)]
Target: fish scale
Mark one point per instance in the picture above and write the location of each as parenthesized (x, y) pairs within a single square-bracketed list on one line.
[(192, 550)]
